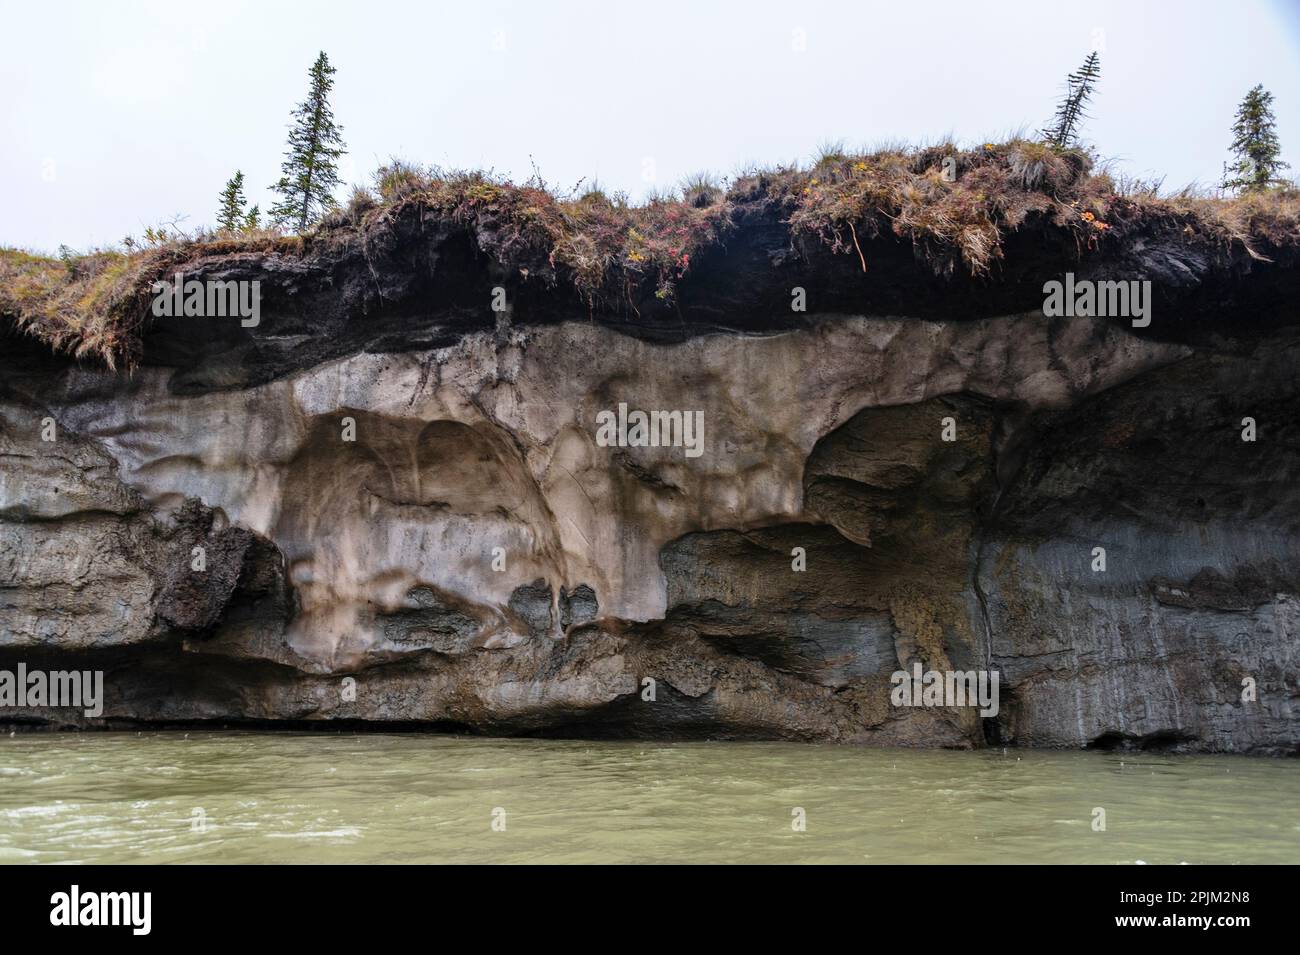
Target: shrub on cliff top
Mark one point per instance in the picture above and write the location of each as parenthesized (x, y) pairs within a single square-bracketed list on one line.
[(603, 245), (397, 179), (701, 190), (951, 204)]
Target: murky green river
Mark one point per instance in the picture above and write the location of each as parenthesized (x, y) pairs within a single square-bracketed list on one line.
[(243, 797)]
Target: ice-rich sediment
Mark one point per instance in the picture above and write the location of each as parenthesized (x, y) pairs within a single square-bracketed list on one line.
[(437, 558), (384, 505)]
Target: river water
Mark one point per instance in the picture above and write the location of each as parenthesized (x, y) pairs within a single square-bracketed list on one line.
[(318, 797)]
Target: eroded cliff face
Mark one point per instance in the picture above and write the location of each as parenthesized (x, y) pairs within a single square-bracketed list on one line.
[(433, 534)]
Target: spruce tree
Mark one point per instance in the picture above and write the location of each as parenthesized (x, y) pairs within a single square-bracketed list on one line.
[(253, 221), (1064, 131), (230, 216), (310, 171), (1254, 143)]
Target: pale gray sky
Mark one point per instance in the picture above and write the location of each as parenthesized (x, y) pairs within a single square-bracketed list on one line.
[(120, 115)]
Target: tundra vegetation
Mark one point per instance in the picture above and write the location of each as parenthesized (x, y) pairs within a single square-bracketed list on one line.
[(955, 205)]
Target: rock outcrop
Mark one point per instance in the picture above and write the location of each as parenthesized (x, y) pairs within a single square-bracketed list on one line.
[(341, 521)]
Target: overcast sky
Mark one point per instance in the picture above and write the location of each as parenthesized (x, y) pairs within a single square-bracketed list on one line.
[(121, 115)]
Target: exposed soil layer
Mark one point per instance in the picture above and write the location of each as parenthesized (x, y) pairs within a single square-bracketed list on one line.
[(406, 519)]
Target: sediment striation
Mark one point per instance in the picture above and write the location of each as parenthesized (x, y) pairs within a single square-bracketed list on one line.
[(405, 516)]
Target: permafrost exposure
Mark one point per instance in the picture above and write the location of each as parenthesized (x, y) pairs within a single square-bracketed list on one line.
[(388, 503)]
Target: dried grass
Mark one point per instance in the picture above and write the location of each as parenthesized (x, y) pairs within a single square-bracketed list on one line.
[(955, 206)]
